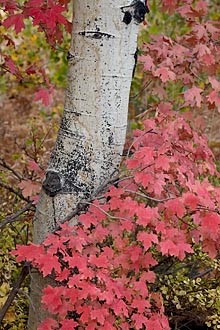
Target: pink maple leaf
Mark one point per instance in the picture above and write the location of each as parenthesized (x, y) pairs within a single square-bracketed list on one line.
[(68, 324), (99, 314), (144, 178), (214, 97), (215, 83), (33, 165), (52, 298), (210, 226), (193, 96), (147, 239), (120, 308), (191, 200), (178, 250), (165, 74), (28, 252), (139, 320), (175, 206), (148, 62), (48, 262), (163, 162), (146, 215), (44, 95), (100, 261), (48, 324), (142, 305), (29, 187)]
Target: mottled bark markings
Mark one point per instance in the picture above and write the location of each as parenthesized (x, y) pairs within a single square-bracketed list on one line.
[(92, 131)]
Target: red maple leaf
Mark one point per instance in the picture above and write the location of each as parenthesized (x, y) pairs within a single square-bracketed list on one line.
[(48, 262), (68, 324), (48, 324), (16, 20), (76, 260), (139, 320), (100, 261), (165, 74), (44, 95), (12, 67), (85, 311), (141, 305), (147, 239), (175, 206), (193, 96), (215, 83), (28, 252), (120, 308), (52, 298), (148, 62), (29, 187), (210, 226), (99, 314), (147, 215), (214, 98)]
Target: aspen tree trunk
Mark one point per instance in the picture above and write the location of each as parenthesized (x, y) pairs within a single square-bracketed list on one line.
[(92, 132)]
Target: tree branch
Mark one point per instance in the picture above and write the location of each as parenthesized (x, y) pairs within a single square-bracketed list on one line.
[(13, 217), (16, 192), (8, 167), (15, 289)]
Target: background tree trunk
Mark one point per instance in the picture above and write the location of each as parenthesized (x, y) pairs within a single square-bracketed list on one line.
[(93, 127)]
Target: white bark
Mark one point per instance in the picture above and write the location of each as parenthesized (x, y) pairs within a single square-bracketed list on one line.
[(92, 132)]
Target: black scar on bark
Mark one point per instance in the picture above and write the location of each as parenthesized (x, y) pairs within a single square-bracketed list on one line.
[(135, 61), (127, 17), (52, 184), (137, 10), (69, 56), (140, 9)]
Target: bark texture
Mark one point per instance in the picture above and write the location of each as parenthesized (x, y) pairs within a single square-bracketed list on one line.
[(92, 132)]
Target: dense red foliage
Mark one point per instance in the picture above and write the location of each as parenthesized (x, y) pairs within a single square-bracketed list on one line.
[(164, 207)]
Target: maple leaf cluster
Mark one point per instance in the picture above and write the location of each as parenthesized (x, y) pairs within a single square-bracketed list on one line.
[(49, 17), (190, 60), (165, 206)]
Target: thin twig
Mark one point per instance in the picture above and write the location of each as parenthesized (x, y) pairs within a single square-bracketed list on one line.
[(79, 208), (12, 190), (8, 167), (82, 207), (15, 290), (106, 213), (148, 197), (141, 91), (205, 272), (13, 217)]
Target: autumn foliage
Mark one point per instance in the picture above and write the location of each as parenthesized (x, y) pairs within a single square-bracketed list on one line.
[(165, 204)]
